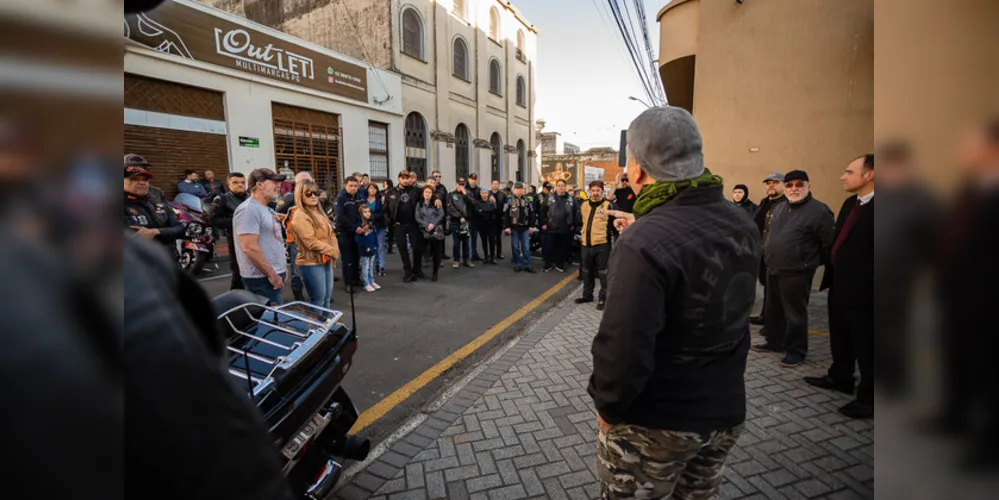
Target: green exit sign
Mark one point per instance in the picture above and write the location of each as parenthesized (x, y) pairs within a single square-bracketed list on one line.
[(249, 142)]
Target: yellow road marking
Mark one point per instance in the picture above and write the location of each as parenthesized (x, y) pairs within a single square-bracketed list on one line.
[(392, 400), (820, 334)]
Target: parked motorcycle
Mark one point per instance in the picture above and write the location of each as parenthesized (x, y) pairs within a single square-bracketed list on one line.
[(197, 247), (291, 360)]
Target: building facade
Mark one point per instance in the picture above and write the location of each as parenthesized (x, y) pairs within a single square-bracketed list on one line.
[(578, 168), (205, 89), (773, 96), (467, 69), (552, 143)]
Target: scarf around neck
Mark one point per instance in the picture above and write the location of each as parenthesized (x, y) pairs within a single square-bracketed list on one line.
[(659, 193)]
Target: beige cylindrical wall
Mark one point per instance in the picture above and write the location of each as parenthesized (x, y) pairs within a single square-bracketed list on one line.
[(782, 85)]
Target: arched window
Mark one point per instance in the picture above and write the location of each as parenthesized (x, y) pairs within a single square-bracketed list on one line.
[(494, 23), (495, 77), (521, 160), (459, 8), (497, 146), (520, 40), (460, 63), (521, 91), (461, 156), (416, 145), (412, 33)]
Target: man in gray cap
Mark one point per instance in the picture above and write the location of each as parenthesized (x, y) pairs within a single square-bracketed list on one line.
[(670, 354), (775, 196)]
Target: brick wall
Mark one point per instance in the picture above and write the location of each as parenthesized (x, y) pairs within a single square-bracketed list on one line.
[(357, 28)]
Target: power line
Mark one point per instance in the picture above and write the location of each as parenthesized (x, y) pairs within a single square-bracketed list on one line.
[(632, 49), (605, 20), (640, 10)]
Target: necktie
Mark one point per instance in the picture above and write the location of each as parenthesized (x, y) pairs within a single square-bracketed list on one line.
[(851, 219)]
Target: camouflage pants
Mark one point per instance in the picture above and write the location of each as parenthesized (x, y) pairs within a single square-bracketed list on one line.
[(636, 462)]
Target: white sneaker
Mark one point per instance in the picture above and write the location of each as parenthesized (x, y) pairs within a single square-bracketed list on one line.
[(369, 288), (377, 287)]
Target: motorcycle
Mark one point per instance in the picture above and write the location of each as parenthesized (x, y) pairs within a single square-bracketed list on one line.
[(291, 360), (197, 247)]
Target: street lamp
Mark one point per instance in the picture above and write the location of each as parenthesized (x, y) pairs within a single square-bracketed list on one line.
[(633, 98)]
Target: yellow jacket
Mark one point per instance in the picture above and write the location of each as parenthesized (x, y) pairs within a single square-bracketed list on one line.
[(595, 223)]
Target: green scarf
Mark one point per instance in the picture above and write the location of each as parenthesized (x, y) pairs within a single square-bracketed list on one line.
[(654, 195)]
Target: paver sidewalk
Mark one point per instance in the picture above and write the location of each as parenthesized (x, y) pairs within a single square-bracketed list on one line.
[(525, 427)]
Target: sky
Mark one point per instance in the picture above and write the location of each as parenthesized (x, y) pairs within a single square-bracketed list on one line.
[(584, 73)]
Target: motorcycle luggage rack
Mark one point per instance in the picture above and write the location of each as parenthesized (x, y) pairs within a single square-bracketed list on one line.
[(306, 325)]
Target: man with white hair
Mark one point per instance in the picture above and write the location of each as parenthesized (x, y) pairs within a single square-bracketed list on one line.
[(670, 354), (798, 241)]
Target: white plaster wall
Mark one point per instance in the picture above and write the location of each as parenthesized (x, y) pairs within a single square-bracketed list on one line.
[(248, 109)]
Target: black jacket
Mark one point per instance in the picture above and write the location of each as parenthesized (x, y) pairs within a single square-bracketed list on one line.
[(223, 208), (486, 210), (401, 200), (672, 346), (144, 212), (761, 215), (500, 198), (748, 206), (182, 408), (851, 276), (345, 213), (459, 206), (558, 213), (625, 198), (799, 236), (518, 213)]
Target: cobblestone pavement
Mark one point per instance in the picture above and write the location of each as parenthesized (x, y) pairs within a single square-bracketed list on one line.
[(525, 427)]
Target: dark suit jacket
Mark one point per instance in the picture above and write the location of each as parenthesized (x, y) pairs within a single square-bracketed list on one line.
[(851, 278)]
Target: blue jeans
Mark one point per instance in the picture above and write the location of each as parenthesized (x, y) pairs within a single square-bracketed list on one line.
[(367, 270), (261, 286), (460, 249), (380, 254), (520, 243), (318, 283)]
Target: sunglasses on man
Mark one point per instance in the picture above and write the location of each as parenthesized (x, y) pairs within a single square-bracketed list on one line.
[(793, 184)]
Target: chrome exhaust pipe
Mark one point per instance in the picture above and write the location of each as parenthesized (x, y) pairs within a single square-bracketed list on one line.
[(325, 480)]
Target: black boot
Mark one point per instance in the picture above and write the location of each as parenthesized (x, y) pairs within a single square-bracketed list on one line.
[(434, 278)]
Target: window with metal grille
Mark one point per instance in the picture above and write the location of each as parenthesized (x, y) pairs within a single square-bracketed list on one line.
[(306, 140), (416, 145), (461, 153), (497, 145), (521, 92), (412, 34), (378, 150), (521, 160), (495, 77), (460, 65), (494, 23)]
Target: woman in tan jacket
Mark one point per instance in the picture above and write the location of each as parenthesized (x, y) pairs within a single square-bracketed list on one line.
[(317, 245)]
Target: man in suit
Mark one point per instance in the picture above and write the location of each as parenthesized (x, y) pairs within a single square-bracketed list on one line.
[(850, 279)]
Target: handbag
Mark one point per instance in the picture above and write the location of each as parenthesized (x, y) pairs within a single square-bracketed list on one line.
[(463, 230)]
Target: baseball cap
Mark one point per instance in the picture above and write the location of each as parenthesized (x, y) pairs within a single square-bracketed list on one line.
[(776, 176), (261, 175), (796, 175), (136, 165), (546, 185), (666, 144)]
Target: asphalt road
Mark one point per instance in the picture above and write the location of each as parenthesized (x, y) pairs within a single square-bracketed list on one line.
[(406, 328)]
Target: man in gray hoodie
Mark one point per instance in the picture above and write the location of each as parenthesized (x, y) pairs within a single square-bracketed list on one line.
[(797, 243)]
